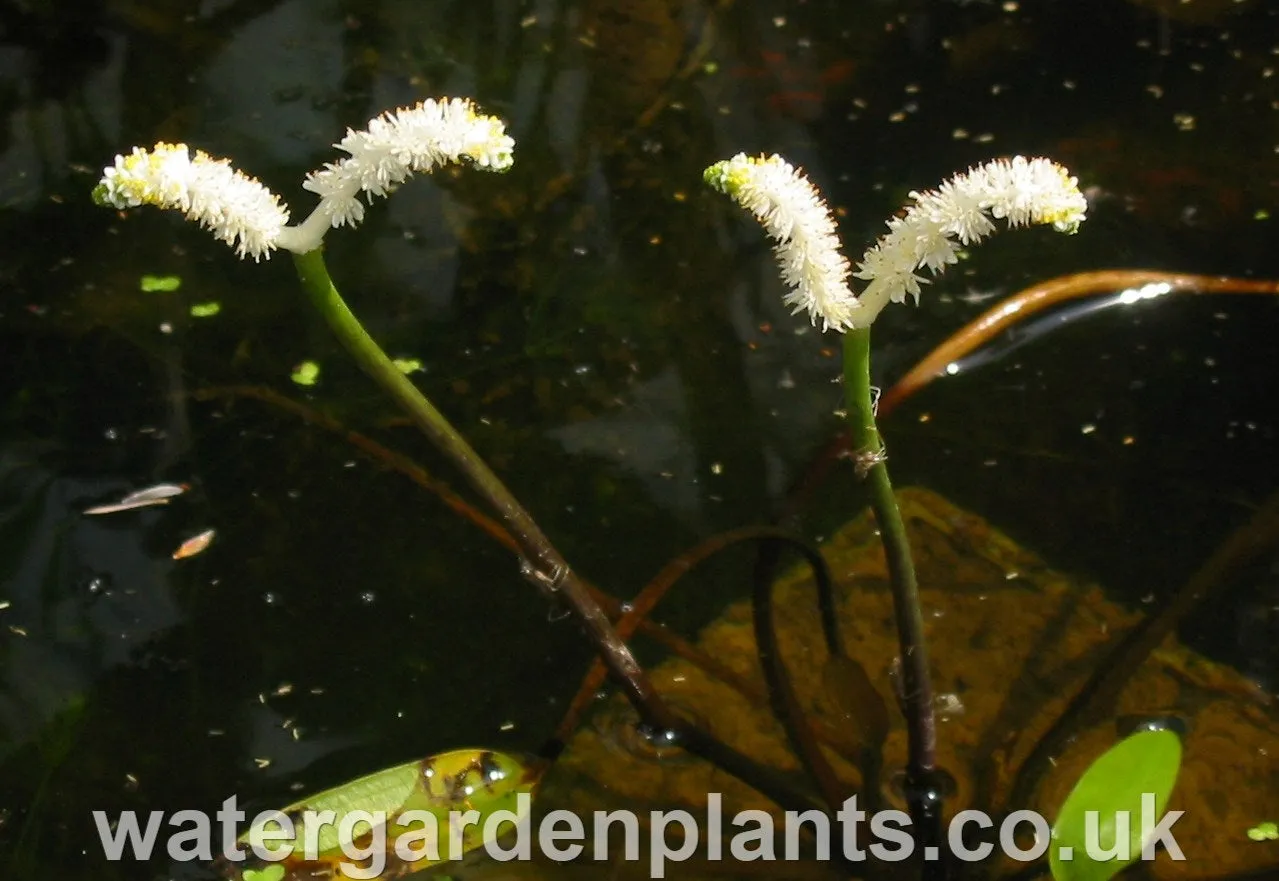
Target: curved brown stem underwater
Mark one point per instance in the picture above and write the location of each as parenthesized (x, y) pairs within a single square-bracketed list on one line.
[(1003, 315), (637, 611), (628, 624), (1045, 295), (647, 600)]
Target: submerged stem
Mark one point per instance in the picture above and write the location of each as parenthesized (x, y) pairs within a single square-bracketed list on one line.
[(544, 566), (867, 451)]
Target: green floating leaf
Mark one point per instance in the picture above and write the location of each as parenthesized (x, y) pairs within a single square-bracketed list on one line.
[(151, 283), (1114, 790), (306, 373), (206, 310), (1267, 831), (270, 873), (408, 805)]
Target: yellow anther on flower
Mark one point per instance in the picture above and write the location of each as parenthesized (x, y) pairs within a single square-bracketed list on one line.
[(236, 208), (1021, 191)]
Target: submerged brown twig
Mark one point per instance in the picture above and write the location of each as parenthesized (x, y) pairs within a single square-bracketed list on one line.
[(785, 702)]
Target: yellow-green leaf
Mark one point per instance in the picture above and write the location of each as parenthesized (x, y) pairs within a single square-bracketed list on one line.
[(1115, 789), (150, 283), (462, 780)]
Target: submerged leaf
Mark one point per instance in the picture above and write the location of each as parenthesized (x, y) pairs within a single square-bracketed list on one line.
[(1100, 826), (851, 697)]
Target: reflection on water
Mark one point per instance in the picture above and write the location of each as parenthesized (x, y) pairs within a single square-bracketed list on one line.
[(608, 334)]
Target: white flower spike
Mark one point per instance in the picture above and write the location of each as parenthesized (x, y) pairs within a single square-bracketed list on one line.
[(235, 207), (243, 213), (807, 245), (393, 148), (1021, 191)]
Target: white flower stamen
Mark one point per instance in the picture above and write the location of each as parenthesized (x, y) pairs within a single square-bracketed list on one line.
[(959, 213)]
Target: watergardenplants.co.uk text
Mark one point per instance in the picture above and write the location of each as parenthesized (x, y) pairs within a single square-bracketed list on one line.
[(672, 836)]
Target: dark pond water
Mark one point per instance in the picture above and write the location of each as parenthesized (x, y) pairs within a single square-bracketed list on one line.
[(607, 332)]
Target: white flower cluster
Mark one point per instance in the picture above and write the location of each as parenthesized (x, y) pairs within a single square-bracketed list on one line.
[(397, 145), (235, 207), (794, 214), (242, 212), (1021, 191)]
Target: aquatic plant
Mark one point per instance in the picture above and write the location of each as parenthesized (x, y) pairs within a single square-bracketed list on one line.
[(241, 212), (927, 235)]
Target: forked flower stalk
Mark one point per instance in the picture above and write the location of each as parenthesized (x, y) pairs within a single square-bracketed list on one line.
[(926, 235)]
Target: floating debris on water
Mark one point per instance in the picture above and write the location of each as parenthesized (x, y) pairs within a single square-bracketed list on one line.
[(194, 545), (160, 494)]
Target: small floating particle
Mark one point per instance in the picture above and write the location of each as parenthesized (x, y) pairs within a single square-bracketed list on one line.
[(205, 310), (306, 373), (194, 545), (153, 283), (262, 763)]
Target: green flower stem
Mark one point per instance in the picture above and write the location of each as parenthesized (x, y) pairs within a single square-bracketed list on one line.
[(543, 564), (867, 450)]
